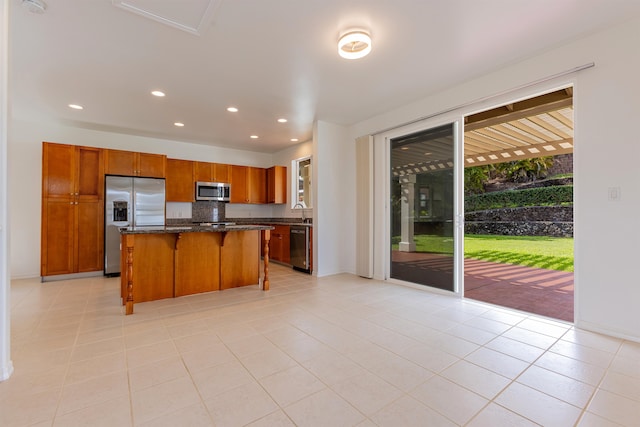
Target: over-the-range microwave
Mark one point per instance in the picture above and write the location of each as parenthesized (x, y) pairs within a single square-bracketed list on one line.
[(217, 191)]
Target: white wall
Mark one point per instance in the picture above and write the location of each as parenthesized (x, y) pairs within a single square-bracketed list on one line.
[(25, 171), (6, 367), (334, 186), (280, 158), (284, 158), (606, 155)]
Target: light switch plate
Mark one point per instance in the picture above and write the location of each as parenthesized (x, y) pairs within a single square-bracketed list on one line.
[(614, 194)]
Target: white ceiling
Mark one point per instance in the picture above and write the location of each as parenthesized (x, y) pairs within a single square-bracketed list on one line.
[(270, 58)]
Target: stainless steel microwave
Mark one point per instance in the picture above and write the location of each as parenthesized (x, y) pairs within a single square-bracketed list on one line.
[(218, 191)]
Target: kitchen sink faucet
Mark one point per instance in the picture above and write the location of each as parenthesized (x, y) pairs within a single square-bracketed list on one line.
[(301, 209)]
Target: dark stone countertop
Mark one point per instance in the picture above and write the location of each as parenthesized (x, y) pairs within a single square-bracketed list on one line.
[(271, 221), (156, 229)]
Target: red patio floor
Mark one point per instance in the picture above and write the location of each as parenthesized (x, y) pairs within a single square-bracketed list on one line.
[(533, 290)]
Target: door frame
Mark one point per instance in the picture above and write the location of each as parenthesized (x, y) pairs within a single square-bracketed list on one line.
[(382, 144), (382, 179)]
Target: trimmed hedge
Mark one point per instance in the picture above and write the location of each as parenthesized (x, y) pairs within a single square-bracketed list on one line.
[(543, 196)]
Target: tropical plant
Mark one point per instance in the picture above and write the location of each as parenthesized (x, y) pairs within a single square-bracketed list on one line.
[(475, 178), (525, 170)]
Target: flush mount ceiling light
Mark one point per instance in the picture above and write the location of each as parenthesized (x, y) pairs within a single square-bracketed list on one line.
[(34, 6), (157, 93), (179, 124), (76, 106), (354, 44), (232, 109)]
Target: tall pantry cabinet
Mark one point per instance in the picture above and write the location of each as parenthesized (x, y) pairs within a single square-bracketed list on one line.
[(72, 209)]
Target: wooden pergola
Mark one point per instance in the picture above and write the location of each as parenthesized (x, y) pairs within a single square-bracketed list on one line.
[(535, 127)]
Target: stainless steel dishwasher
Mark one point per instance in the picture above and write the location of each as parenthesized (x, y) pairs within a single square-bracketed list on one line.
[(299, 243)]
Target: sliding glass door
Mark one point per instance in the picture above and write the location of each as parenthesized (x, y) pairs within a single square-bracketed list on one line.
[(422, 207)]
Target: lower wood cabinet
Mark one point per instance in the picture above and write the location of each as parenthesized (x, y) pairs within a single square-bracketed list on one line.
[(279, 246), (197, 253), (72, 237)]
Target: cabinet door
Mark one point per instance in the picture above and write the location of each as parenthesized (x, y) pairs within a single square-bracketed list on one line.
[(58, 171), (58, 219), (280, 237), (275, 246), (89, 238), (257, 185), (277, 184), (238, 256), (90, 184), (151, 165), (179, 182), (118, 162), (239, 184), (203, 171), (221, 172), (286, 244)]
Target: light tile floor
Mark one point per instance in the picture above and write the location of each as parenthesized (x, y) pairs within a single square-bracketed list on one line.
[(335, 351)]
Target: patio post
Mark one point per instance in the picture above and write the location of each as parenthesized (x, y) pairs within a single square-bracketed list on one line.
[(407, 200)]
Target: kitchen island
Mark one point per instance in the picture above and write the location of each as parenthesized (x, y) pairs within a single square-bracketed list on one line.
[(160, 262)]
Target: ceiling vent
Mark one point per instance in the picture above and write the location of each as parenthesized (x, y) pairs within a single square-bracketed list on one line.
[(193, 16), (34, 6)]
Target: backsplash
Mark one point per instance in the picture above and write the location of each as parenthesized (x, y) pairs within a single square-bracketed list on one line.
[(202, 211), (208, 211)]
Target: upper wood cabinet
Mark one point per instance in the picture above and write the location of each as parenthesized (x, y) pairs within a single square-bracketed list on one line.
[(72, 237), (212, 172), (202, 172), (129, 163), (239, 184), (70, 171), (248, 184), (221, 172), (180, 181), (257, 185), (277, 184)]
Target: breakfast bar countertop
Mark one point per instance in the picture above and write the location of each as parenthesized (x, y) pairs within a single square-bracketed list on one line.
[(216, 228)]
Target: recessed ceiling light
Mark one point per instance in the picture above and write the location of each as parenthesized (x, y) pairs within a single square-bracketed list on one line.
[(76, 106), (157, 93), (254, 137), (179, 124), (282, 120), (294, 139), (354, 44), (232, 109), (428, 154), (404, 148)]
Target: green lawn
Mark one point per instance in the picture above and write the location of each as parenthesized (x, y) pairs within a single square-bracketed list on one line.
[(554, 253)]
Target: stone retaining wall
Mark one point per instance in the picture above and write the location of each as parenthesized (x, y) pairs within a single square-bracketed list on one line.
[(527, 213), (553, 221), (520, 228)]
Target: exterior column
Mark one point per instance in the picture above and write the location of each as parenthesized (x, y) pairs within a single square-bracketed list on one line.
[(408, 186)]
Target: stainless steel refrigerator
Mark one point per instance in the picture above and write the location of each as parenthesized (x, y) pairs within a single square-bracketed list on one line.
[(130, 202)]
